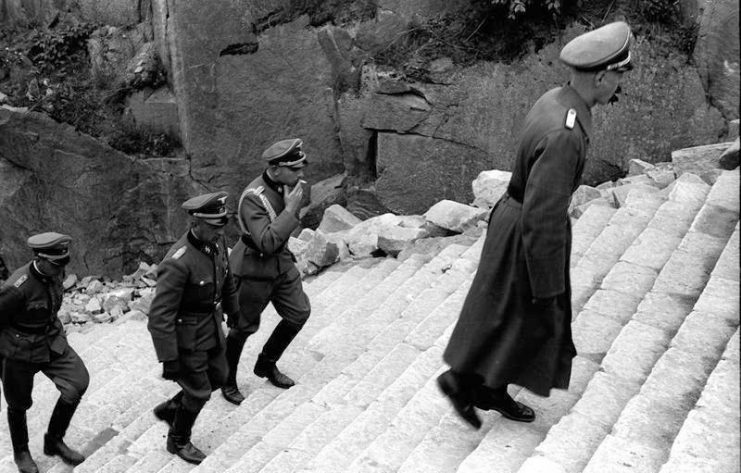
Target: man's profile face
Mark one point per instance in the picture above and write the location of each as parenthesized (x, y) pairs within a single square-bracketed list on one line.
[(207, 232), (607, 84), (288, 175)]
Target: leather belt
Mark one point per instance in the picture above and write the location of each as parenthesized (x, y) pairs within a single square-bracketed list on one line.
[(32, 330)]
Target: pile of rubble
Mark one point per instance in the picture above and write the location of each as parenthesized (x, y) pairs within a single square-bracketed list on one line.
[(93, 299)]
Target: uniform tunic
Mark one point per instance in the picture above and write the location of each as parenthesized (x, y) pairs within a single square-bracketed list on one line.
[(193, 282), (32, 338), (501, 335), (262, 261)]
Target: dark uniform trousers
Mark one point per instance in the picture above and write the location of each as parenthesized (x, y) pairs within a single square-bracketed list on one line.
[(202, 373), (286, 293), (65, 370)]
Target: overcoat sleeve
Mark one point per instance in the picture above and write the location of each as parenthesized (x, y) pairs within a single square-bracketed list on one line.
[(171, 278), (545, 205), (269, 237)]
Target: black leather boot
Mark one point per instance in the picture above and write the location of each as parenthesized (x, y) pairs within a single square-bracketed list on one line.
[(233, 352), (19, 438), (499, 400), (279, 340), (166, 410), (178, 438), (458, 391), (53, 443)]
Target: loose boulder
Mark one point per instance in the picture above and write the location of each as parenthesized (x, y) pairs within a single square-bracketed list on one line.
[(489, 186), (454, 216)]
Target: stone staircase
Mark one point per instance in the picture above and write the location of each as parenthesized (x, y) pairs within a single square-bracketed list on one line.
[(655, 387)]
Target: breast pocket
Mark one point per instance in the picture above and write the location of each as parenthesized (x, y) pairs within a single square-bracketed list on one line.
[(37, 311)]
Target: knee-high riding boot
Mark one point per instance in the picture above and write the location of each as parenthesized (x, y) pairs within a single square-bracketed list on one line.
[(19, 439), (53, 440), (273, 349), (178, 438), (230, 391)]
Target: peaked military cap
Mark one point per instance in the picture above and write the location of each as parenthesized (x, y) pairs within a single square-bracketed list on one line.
[(606, 48), (209, 207), (286, 153), (50, 245)]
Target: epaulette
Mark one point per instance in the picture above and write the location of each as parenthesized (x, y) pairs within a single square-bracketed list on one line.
[(19, 282), (180, 252), (570, 119)]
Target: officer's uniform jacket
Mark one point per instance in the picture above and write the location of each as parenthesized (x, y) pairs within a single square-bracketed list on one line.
[(501, 334), (262, 251), (29, 327), (193, 283)]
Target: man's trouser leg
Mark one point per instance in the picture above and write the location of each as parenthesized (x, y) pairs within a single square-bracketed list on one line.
[(166, 411), (292, 304), (18, 383), (254, 296), (69, 375), (197, 388)]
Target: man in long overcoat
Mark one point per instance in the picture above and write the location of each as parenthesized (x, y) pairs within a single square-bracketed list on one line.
[(515, 324), (194, 282)]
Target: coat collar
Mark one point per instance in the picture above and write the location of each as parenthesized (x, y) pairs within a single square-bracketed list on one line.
[(271, 183), (205, 248)]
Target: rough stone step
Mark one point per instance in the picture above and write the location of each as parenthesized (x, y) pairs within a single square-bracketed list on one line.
[(410, 267), (337, 455), (725, 191), (213, 415), (327, 367), (707, 442), (624, 227), (93, 424), (376, 353), (639, 349), (695, 349), (107, 371), (282, 437), (394, 304), (587, 228), (508, 444)]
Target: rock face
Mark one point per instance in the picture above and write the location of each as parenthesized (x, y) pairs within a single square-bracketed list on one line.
[(117, 209), (108, 12), (240, 86), (238, 92)]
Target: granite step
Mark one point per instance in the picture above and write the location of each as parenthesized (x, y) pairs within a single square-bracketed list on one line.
[(133, 382), (343, 350), (608, 309), (707, 442), (137, 440), (587, 228), (296, 356), (624, 227), (656, 353), (692, 354)]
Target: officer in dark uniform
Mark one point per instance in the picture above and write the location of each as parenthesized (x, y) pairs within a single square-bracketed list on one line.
[(32, 339), (193, 283), (515, 324), (264, 267)]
